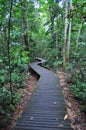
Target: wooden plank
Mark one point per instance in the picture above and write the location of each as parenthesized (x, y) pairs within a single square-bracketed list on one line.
[(46, 109), (40, 59)]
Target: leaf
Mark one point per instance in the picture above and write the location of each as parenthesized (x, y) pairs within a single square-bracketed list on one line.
[(65, 117), (61, 125), (54, 102), (31, 118), (1, 60)]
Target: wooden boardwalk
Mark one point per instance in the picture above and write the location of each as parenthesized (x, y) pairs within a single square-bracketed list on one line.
[(46, 109)]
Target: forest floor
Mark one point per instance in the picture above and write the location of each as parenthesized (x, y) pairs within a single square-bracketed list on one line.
[(25, 93), (77, 118)]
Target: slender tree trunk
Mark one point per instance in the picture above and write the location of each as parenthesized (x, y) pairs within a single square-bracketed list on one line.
[(77, 40), (24, 5), (8, 46), (52, 16), (56, 47), (69, 34), (69, 40), (25, 33), (65, 34), (52, 28)]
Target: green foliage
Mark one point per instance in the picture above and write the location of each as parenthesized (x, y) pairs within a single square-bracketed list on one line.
[(19, 64), (78, 87), (45, 32), (16, 98), (19, 67), (8, 103), (79, 90), (3, 77), (58, 64), (19, 56), (5, 94)]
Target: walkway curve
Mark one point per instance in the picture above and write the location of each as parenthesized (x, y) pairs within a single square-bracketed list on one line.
[(46, 109)]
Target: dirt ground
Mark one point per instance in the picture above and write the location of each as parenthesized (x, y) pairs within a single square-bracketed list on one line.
[(77, 118)]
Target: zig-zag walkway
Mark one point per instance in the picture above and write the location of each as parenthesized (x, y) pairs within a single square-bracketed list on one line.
[(46, 109)]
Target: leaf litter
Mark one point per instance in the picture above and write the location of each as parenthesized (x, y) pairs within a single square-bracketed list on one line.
[(76, 116), (26, 93)]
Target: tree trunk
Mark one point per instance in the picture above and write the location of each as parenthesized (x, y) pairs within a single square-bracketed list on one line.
[(8, 46), (69, 34), (69, 40), (77, 40), (25, 33), (52, 17), (24, 5), (56, 47), (52, 28), (65, 34)]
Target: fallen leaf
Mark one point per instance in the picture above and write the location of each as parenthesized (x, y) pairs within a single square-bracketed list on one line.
[(31, 118), (54, 102), (66, 89), (65, 117), (61, 125)]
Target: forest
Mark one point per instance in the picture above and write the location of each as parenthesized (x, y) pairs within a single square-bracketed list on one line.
[(54, 30)]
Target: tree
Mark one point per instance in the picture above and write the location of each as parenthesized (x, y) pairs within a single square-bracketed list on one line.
[(65, 33), (69, 31), (24, 7), (8, 45)]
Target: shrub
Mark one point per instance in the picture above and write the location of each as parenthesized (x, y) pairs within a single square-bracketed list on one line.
[(8, 103), (78, 87)]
